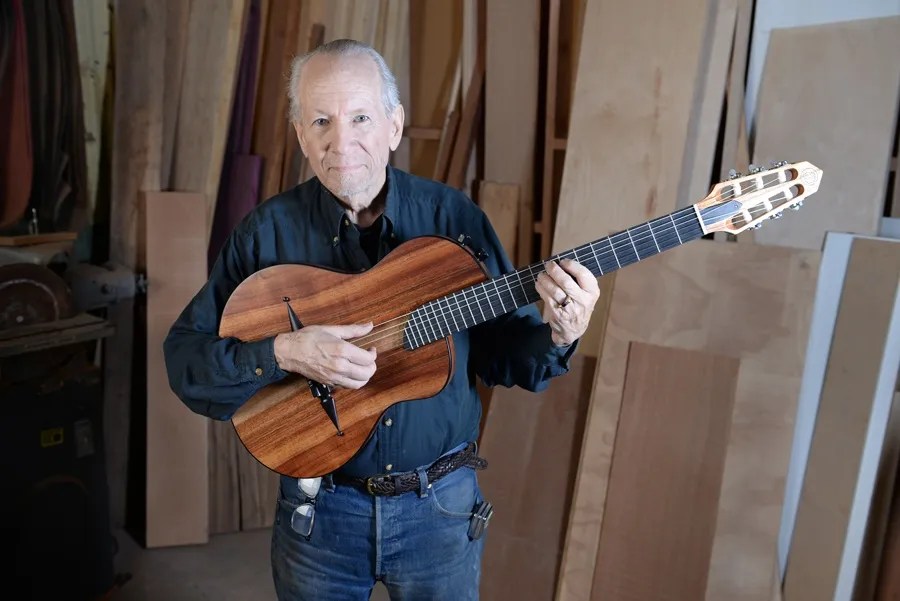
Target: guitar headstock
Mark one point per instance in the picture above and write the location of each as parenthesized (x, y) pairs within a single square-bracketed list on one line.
[(744, 202)]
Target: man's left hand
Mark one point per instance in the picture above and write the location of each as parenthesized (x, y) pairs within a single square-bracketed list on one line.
[(569, 291)]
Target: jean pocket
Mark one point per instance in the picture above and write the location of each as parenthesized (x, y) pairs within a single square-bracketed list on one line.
[(456, 494)]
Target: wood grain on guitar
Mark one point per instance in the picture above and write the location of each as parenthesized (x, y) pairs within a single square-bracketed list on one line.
[(424, 291)]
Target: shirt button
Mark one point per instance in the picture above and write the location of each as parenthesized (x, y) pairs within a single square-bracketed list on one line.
[(258, 371), (388, 422), (334, 240), (389, 466), (346, 222)]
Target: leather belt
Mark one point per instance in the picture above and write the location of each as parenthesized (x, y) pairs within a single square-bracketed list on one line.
[(397, 484)]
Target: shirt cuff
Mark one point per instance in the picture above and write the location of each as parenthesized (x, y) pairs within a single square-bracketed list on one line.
[(256, 361), (558, 357)]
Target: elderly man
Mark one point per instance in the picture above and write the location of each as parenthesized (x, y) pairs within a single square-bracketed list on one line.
[(423, 543)]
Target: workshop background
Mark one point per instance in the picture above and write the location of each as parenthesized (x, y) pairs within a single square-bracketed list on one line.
[(730, 428)]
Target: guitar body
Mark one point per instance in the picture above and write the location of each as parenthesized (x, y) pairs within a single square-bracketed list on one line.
[(284, 425)]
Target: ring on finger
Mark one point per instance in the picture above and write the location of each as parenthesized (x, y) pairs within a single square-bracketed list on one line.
[(565, 302)]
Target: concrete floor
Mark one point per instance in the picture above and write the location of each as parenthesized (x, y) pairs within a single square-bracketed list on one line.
[(231, 567)]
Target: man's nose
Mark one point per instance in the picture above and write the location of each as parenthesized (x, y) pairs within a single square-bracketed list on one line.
[(343, 136)]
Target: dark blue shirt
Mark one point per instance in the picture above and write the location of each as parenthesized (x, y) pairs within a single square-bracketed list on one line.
[(214, 376)]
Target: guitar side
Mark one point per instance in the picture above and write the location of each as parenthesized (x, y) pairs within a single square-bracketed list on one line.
[(284, 425)]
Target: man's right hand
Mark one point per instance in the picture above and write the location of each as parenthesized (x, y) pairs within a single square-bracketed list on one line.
[(323, 354)]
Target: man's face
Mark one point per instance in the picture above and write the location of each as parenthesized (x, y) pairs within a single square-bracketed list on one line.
[(343, 130)]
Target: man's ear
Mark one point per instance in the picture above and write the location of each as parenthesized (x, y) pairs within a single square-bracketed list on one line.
[(397, 126), (300, 137)]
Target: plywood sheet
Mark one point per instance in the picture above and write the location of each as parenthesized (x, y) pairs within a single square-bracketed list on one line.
[(177, 485), (806, 110), (531, 443), (733, 299), (630, 127), (665, 475), (849, 428)]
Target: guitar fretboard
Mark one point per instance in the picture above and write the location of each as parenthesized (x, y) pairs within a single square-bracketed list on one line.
[(495, 297)]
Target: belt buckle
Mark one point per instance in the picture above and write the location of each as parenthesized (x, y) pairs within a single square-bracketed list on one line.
[(369, 483)]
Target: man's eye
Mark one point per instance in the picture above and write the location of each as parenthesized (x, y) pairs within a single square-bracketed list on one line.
[(320, 121), (361, 118)]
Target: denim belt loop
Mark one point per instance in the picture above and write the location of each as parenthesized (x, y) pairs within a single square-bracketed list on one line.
[(423, 482)]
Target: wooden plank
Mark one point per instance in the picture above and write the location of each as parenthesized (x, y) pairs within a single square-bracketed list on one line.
[(877, 530), (177, 19), (888, 583), (136, 134), (434, 52), (392, 40), (27, 339), (530, 483), (92, 24), (271, 114), (224, 479), (177, 493), (805, 81), (32, 239), (623, 163), (210, 72), (735, 153), (670, 444), (849, 428), (511, 105), (465, 138), (551, 77), (706, 117), (732, 299), (500, 202)]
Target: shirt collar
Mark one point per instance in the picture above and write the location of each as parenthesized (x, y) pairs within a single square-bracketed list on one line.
[(335, 215)]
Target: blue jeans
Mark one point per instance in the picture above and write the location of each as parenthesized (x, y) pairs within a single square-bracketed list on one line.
[(416, 543)]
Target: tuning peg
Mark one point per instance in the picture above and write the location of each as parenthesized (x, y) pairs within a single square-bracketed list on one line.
[(754, 169), (797, 206), (733, 174), (757, 226)]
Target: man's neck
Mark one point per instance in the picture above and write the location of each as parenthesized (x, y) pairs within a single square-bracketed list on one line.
[(366, 214)]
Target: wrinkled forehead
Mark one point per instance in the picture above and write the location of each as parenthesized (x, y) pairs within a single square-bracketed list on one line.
[(336, 77)]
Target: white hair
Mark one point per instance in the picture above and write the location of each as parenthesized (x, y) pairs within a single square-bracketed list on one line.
[(390, 95)]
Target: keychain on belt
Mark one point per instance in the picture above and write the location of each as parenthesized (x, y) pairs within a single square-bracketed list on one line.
[(479, 520)]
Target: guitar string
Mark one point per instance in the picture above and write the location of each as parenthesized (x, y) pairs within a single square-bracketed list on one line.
[(432, 321)]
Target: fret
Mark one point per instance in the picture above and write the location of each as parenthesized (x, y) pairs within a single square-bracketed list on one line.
[(613, 249), (599, 256), (452, 316), (414, 331), (462, 313), (625, 250), (428, 323), (650, 227), (630, 239), (596, 258), (487, 297), (675, 227), (499, 296)]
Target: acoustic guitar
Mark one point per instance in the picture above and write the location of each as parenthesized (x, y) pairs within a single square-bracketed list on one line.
[(304, 429)]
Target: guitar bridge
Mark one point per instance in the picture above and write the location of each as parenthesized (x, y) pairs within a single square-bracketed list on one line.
[(320, 391), (323, 393)]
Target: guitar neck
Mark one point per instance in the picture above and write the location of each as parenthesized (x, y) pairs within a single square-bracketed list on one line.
[(495, 297)]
